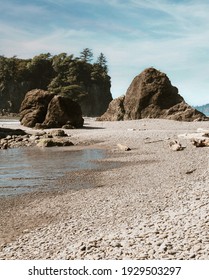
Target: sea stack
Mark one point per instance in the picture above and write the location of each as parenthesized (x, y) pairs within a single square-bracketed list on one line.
[(42, 109), (151, 95)]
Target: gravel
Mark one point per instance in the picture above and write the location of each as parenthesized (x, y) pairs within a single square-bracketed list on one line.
[(153, 204)]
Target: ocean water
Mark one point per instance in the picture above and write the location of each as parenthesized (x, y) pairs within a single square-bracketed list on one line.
[(5, 122), (24, 170)]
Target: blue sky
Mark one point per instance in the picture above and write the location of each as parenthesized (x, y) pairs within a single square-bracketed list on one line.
[(170, 35)]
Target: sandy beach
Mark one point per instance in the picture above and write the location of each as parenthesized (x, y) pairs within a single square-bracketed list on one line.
[(147, 203)]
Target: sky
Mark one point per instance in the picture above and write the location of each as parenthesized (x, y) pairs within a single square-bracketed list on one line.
[(170, 35)]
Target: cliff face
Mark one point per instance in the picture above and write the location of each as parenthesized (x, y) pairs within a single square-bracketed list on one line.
[(151, 95), (12, 95), (95, 103)]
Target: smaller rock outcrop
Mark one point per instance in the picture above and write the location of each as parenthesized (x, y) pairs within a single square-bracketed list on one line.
[(42, 109), (151, 95), (176, 146), (43, 143), (15, 138), (34, 107), (63, 111), (200, 142), (115, 111)]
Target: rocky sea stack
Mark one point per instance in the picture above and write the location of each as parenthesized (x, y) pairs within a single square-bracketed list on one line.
[(151, 95), (42, 109), (85, 82)]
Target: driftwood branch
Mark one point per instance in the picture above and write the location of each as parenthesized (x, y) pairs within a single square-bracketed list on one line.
[(155, 141)]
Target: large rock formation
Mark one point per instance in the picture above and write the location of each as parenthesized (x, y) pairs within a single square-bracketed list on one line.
[(63, 111), (151, 95), (34, 107), (43, 109)]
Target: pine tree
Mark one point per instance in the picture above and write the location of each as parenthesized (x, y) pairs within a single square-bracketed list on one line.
[(86, 55), (102, 62)]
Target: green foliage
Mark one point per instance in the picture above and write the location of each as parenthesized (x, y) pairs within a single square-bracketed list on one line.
[(74, 92), (41, 70), (100, 69), (12, 70), (74, 76), (62, 74), (102, 62), (86, 55)]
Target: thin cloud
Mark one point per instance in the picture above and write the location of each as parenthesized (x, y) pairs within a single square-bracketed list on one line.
[(18, 9), (169, 35)]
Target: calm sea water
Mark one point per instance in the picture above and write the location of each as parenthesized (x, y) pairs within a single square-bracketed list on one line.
[(27, 169), (4, 122)]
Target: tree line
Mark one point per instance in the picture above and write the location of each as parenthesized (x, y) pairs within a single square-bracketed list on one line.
[(62, 74)]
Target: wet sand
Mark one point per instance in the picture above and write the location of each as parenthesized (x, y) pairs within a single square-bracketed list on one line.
[(147, 203)]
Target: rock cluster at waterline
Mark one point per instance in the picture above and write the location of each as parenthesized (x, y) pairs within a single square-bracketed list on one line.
[(40, 139), (151, 95), (42, 109)]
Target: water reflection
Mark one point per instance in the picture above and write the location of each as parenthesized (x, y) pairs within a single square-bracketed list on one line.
[(22, 169)]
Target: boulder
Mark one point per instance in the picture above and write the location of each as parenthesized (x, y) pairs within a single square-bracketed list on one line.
[(200, 142), (176, 146), (123, 147), (54, 143), (61, 111), (14, 141), (57, 133), (151, 95), (115, 111), (34, 107), (41, 139), (42, 109)]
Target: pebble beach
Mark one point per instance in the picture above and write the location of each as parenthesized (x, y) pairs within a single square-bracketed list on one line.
[(149, 202)]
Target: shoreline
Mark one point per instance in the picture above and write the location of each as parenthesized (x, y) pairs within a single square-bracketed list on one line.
[(149, 207)]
